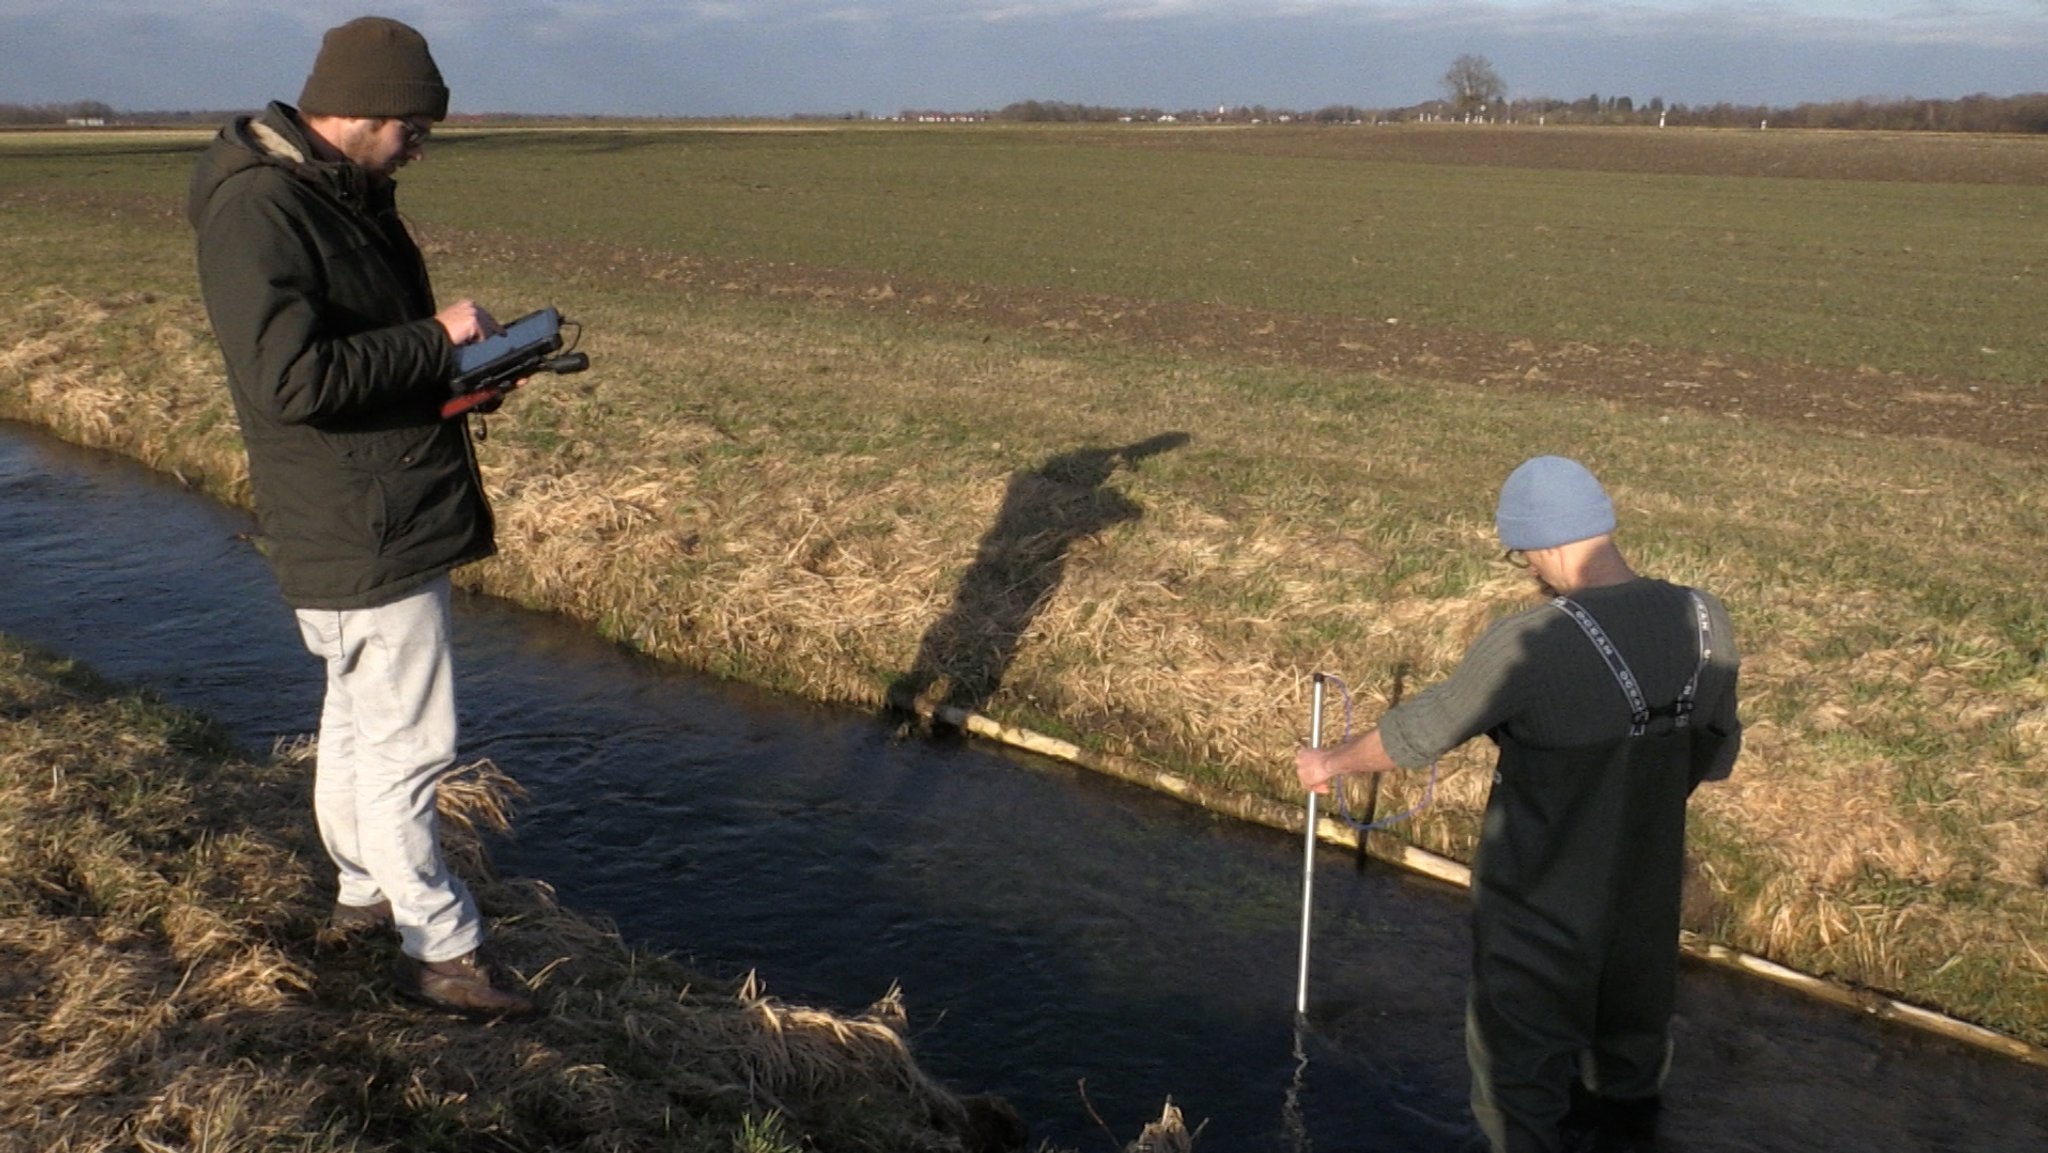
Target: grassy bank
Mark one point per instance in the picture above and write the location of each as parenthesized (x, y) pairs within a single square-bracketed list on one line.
[(850, 428), (165, 988)]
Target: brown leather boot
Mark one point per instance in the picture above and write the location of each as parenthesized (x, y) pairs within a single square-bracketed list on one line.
[(463, 986)]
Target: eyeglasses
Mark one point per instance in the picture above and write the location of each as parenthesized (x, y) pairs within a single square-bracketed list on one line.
[(1516, 557), (414, 131)]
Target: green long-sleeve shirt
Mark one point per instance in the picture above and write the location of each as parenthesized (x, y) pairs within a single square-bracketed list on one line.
[(1534, 678)]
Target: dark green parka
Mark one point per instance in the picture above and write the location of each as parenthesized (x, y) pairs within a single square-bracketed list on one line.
[(324, 314)]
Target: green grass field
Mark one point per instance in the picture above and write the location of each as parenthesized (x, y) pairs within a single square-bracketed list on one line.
[(1926, 278), (838, 374), (1843, 262)]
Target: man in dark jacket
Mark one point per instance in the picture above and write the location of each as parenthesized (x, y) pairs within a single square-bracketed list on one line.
[(339, 361), (1609, 704)]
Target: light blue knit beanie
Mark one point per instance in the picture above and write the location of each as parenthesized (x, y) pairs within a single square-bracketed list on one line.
[(1550, 500)]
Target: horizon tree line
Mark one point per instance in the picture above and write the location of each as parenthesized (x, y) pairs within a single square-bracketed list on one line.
[(1473, 91)]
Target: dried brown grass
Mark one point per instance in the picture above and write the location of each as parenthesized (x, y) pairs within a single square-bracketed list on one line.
[(165, 988), (132, 395)]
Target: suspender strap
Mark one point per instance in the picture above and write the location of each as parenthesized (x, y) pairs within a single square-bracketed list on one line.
[(1639, 709), (1692, 686)]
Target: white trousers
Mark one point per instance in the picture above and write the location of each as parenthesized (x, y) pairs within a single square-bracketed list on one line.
[(387, 734)]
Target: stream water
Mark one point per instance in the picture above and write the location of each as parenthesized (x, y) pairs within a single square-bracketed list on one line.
[(1083, 948)]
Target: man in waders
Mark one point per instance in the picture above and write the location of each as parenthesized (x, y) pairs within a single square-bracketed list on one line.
[(339, 361), (1609, 704)]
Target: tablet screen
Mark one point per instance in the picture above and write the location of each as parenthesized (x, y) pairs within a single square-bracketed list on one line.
[(534, 330)]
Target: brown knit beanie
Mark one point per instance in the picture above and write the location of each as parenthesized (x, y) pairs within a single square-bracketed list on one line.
[(372, 67)]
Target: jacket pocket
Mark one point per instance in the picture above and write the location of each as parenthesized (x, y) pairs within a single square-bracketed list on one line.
[(422, 491)]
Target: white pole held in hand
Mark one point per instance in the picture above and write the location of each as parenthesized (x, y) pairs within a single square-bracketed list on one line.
[(1308, 851)]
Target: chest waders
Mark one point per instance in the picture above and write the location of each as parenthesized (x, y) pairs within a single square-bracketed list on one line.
[(1575, 913)]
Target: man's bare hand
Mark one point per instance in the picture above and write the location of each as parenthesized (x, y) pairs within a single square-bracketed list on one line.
[(1365, 753), (467, 322), (1315, 770)]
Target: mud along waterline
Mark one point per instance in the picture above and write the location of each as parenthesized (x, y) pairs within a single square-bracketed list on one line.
[(1084, 948)]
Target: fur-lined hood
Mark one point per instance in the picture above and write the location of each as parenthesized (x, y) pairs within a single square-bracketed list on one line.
[(275, 139)]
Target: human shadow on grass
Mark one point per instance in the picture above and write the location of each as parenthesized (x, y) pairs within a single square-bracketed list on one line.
[(1017, 568)]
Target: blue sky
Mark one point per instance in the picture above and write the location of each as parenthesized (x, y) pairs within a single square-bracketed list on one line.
[(775, 57)]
